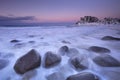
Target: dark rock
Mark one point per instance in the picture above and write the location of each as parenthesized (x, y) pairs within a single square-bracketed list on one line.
[(66, 42), (14, 41), (63, 50), (83, 76), (55, 76), (106, 61), (98, 49), (19, 45), (110, 38), (3, 63), (42, 38), (28, 62), (31, 36), (72, 52), (76, 63), (51, 59), (28, 75), (31, 42), (111, 74)]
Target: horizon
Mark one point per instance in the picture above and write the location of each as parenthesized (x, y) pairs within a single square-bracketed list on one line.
[(54, 11)]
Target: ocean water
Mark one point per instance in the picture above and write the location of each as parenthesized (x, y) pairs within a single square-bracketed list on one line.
[(50, 39)]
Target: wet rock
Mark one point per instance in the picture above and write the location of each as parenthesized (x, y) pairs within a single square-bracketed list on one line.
[(111, 74), (55, 76), (42, 38), (98, 49), (51, 59), (63, 50), (29, 75), (3, 63), (31, 42), (66, 42), (14, 41), (83, 76), (28, 62), (19, 45), (106, 61), (110, 38), (72, 52), (77, 63), (31, 36)]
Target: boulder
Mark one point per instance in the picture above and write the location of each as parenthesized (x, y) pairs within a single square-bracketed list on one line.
[(83, 76), (14, 41), (30, 74), (98, 49), (19, 45), (3, 63), (28, 62), (55, 76), (77, 63), (72, 52), (110, 38), (51, 59), (66, 42), (63, 50), (32, 42), (106, 61)]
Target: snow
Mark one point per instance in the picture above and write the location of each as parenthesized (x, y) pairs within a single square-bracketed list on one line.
[(50, 39)]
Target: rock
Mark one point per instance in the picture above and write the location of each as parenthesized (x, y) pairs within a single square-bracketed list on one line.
[(83, 76), (14, 41), (28, 62), (31, 42), (3, 63), (19, 45), (28, 75), (110, 38), (42, 38), (66, 42), (55, 76), (51, 59), (98, 49), (106, 61), (63, 50), (111, 74), (76, 63), (72, 52), (31, 36)]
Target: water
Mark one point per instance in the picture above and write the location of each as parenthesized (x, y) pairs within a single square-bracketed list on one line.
[(50, 39)]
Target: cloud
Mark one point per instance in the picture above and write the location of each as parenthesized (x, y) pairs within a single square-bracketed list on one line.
[(12, 20), (7, 18)]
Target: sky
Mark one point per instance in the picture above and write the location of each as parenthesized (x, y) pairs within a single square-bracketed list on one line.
[(55, 11)]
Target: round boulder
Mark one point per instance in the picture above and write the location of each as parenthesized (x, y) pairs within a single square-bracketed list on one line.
[(63, 50), (14, 41), (76, 63), (55, 76), (72, 52), (110, 38), (98, 49), (106, 61), (51, 59), (28, 62), (83, 76)]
